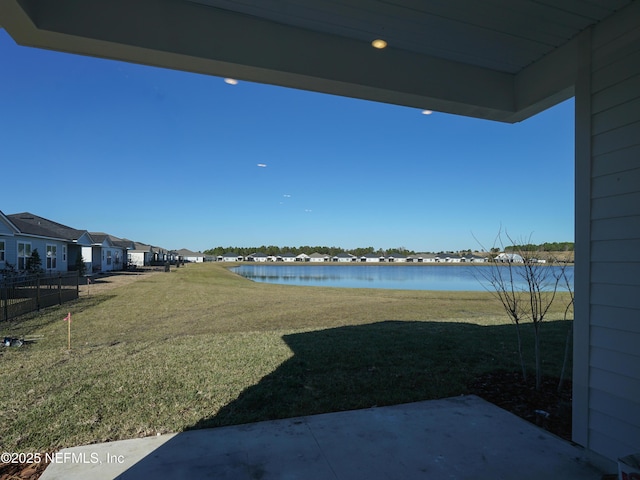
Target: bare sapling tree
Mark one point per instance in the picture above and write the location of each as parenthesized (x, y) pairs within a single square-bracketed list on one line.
[(526, 288)]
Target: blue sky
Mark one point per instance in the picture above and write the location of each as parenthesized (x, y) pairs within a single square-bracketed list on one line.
[(174, 159)]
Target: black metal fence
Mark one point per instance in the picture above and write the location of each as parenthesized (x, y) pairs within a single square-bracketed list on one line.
[(27, 293)]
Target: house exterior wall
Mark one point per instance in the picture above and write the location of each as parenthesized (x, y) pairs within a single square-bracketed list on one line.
[(606, 411), (58, 261), (136, 258), (87, 256), (111, 259), (10, 251), (371, 259)]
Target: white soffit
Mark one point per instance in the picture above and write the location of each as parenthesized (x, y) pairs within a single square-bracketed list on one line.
[(497, 59)]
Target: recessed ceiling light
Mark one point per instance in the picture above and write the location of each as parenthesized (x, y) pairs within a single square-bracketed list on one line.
[(231, 81), (379, 44), (427, 112)]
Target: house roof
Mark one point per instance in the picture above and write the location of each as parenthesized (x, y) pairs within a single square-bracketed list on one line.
[(501, 60), (189, 253), (100, 237), (141, 247), (31, 224)]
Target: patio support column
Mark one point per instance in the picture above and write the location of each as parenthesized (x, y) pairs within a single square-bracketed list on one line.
[(582, 242)]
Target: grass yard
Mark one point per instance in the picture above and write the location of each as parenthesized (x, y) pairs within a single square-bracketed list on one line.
[(201, 347)]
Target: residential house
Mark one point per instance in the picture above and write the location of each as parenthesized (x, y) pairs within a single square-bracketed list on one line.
[(448, 257), (230, 257), (186, 255), (509, 258), (318, 257), (258, 257), (162, 255), (287, 257), (108, 253), (58, 245), (372, 258), (344, 257), (141, 255), (396, 258), (303, 257), (473, 258), (422, 258)]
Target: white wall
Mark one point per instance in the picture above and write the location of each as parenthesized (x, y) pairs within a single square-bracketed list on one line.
[(607, 331)]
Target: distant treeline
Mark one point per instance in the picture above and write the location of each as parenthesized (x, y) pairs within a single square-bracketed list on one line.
[(359, 252), (543, 247)]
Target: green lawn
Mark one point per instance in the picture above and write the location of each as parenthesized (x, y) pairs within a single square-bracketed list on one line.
[(201, 347)]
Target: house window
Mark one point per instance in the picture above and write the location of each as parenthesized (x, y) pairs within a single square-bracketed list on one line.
[(24, 252), (64, 253), (1, 250), (52, 257), (108, 257)]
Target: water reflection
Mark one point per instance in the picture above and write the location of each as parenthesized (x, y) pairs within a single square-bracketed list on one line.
[(400, 277)]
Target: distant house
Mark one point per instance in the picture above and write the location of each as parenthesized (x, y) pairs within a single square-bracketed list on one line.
[(448, 257), (186, 255), (303, 257), (422, 258), (258, 257), (162, 255), (107, 253), (230, 257), (372, 258), (509, 258), (473, 258), (396, 258), (344, 257), (141, 255), (318, 257), (287, 257)]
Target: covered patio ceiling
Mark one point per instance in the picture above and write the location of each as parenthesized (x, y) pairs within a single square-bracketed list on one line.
[(496, 59)]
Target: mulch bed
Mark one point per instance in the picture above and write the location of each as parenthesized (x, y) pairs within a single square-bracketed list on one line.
[(545, 407), (15, 471)]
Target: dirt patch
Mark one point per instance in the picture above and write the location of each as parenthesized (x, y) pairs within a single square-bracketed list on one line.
[(103, 282)]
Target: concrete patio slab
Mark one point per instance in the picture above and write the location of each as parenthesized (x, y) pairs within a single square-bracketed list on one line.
[(454, 438)]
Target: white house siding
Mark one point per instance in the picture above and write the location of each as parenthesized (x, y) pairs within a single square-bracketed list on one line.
[(607, 335), (136, 258), (87, 256), (112, 258)]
